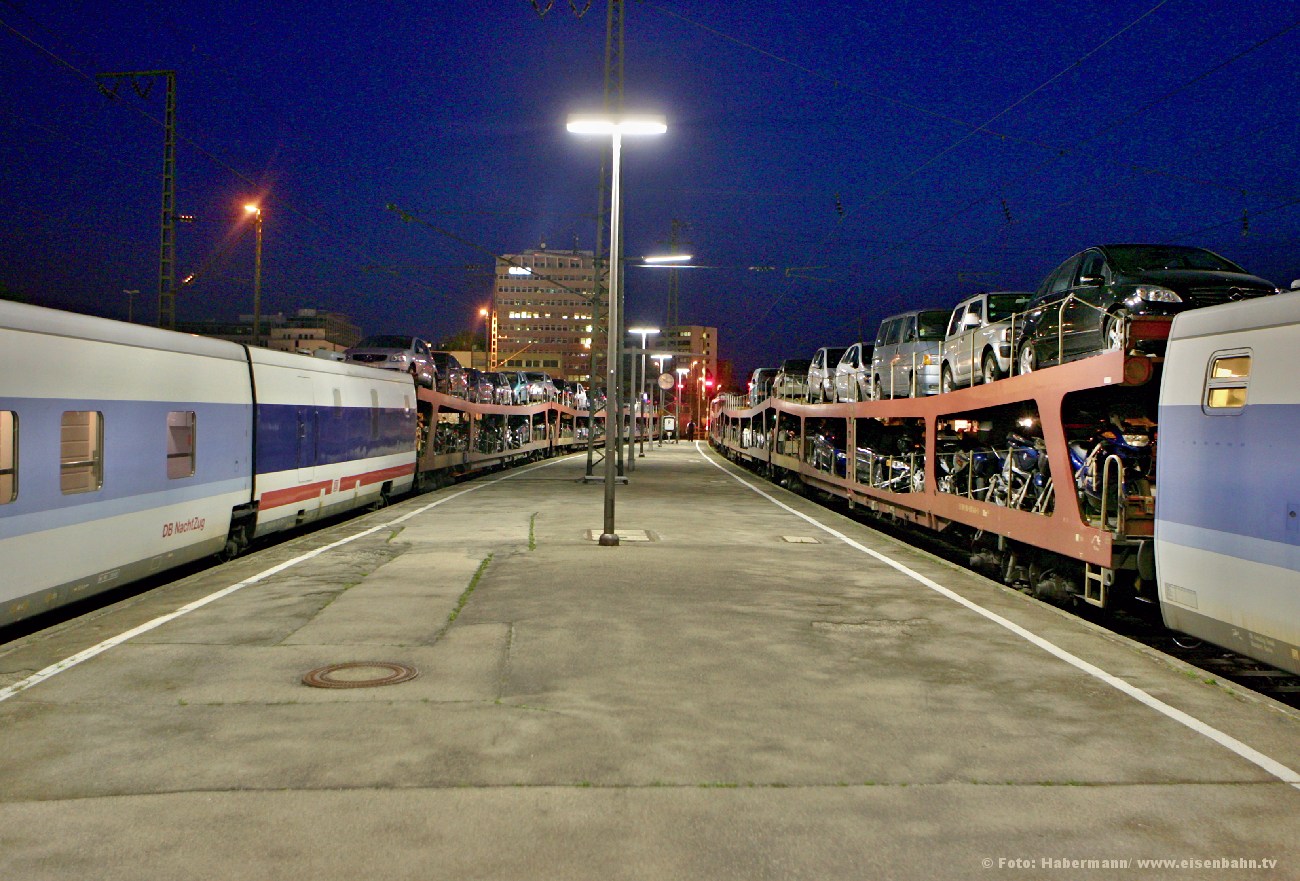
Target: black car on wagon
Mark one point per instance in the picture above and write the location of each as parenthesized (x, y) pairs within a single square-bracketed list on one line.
[(1083, 306)]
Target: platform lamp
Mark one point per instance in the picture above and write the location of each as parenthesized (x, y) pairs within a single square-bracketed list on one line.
[(638, 387), (255, 211), (660, 358), (483, 313), (130, 303), (681, 381), (615, 126)]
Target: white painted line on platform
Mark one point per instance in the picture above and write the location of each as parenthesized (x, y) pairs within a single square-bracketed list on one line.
[(72, 661), (1227, 741)]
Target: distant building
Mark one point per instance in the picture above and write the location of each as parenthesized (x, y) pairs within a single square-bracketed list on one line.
[(530, 360), (693, 340), (696, 349), (306, 330), (310, 330), (542, 312)]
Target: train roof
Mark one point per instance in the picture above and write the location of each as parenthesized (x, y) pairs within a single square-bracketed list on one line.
[(1270, 311), (56, 322), (273, 358)]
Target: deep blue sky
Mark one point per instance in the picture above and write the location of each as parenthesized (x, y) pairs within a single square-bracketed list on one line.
[(879, 156)]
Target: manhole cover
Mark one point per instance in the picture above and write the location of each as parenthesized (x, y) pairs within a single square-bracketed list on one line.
[(359, 674)]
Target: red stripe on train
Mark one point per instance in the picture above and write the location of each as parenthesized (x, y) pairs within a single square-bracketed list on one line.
[(294, 494)]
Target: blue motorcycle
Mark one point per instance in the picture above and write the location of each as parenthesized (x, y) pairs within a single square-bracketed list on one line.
[(1112, 466)]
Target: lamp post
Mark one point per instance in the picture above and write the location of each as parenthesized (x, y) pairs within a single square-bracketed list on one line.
[(705, 385), (256, 211), (638, 386), (660, 359), (483, 313), (615, 127), (695, 393), (681, 381), (130, 303)]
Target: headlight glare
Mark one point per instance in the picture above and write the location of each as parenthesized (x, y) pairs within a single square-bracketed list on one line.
[(1156, 294)]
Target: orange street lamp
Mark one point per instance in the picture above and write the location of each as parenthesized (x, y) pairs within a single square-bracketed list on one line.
[(256, 212)]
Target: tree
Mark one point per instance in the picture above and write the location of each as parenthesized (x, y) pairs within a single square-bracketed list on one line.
[(463, 341), (8, 293)]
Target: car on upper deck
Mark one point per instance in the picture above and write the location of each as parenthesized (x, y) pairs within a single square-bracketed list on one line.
[(821, 373), (981, 334), (905, 362), (540, 386), (451, 375), (760, 384), (853, 373), (479, 387), (791, 381), (1083, 307), (390, 351)]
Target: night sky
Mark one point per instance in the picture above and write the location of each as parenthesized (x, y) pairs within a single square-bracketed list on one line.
[(866, 157)]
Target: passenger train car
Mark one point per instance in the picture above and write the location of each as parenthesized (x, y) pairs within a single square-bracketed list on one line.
[(1228, 513), (127, 450), (1055, 481)]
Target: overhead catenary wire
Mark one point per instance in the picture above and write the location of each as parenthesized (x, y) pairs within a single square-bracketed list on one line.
[(1057, 150)]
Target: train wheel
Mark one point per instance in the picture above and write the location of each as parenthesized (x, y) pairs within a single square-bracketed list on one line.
[(236, 543)]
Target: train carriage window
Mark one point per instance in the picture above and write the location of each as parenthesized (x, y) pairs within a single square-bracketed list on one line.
[(81, 451), (8, 456), (1227, 382), (180, 444)]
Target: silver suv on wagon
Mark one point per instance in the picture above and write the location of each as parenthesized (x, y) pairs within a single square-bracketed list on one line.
[(981, 332), (388, 351)]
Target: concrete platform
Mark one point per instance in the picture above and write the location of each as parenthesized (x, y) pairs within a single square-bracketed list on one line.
[(758, 689)]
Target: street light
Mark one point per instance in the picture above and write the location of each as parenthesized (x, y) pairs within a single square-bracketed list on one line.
[(681, 381), (256, 211), (615, 127), (483, 313), (130, 302), (660, 358), (638, 387)]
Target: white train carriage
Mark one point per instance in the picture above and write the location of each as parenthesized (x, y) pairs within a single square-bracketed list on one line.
[(123, 450), (328, 436), (1227, 529)]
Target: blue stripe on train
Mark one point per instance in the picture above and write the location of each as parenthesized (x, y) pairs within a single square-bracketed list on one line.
[(1232, 474), (291, 436), (134, 454)]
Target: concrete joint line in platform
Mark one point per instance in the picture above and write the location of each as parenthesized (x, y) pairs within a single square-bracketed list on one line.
[(69, 662), (1227, 741)]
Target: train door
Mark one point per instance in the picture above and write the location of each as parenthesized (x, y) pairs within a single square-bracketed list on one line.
[(305, 412)]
